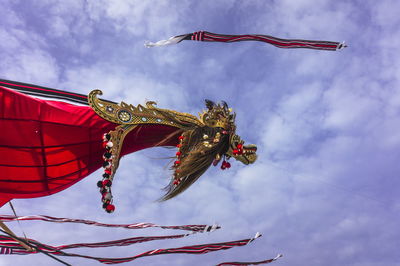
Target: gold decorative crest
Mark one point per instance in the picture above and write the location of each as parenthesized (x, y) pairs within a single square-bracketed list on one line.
[(127, 114), (218, 116)]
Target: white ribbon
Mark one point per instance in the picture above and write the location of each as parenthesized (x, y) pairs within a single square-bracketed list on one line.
[(172, 40)]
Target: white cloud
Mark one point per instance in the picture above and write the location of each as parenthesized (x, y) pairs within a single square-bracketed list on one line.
[(346, 109), (33, 65), (385, 14), (294, 121), (25, 59), (120, 84), (136, 18), (66, 19)]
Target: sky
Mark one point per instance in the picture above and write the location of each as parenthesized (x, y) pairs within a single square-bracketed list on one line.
[(324, 190)]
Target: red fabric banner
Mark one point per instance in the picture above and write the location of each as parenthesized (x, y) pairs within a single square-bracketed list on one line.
[(47, 146)]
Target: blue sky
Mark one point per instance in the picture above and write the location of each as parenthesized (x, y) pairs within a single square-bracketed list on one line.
[(324, 190)]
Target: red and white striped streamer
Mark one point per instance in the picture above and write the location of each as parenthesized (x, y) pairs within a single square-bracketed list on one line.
[(206, 36), (193, 228), (237, 263), (7, 242), (8, 245)]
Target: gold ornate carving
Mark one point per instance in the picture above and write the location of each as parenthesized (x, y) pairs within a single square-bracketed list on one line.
[(127, 114), (117, 137), (218, 116)]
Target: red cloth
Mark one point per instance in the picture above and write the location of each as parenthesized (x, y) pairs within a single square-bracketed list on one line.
[(47, 146)]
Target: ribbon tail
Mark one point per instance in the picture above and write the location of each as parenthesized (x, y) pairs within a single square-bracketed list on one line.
[(170, 41)]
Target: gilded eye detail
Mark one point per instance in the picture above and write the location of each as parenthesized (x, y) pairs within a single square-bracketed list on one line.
[(124, 116)]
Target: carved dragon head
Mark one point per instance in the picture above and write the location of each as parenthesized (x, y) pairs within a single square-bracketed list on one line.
[(243, 153), (209, 144)]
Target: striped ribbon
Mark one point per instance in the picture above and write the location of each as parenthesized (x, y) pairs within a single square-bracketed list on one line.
[(44, 92), (236, 263), (206, 36), (193, 228), (9, 245), (4, 250)]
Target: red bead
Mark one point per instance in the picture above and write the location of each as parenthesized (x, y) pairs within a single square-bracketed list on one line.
[(110, 208), (179, 145), (181, 137), (177, 162), (105, 144), (178, 153), (235, 152), (239, 146), (107, 183), (176, 182), (228, 165), (107, 171), (223, 167)]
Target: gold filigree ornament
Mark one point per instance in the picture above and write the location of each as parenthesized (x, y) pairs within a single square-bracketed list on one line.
[(219, 116), (127, 114)]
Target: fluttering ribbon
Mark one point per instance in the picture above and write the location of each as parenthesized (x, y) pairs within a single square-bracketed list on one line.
[(193, 228), (206, 36), (9, 245), (237, 263)]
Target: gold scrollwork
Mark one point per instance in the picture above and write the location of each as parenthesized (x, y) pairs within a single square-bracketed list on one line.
[(127, 114)]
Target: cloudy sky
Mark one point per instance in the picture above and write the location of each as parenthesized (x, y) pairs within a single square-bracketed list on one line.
[(324, 189)]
